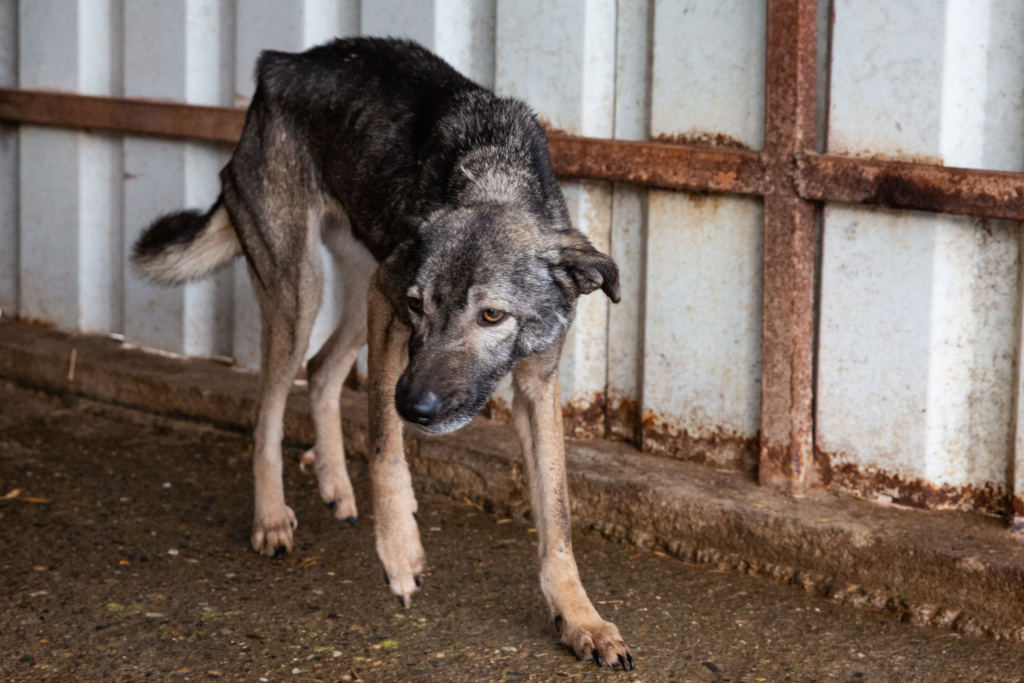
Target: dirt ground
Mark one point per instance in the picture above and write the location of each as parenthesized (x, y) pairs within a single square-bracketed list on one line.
[(126, 558)]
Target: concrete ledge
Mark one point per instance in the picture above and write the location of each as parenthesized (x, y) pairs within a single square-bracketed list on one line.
[(951, 569)]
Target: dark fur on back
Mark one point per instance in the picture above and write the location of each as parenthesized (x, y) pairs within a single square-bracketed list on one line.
[(387, 122)]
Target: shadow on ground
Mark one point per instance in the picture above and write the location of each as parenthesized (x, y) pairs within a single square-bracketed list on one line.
[(126, 559)]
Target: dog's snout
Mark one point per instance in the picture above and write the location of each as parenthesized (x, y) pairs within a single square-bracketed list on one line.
[(421, 409)]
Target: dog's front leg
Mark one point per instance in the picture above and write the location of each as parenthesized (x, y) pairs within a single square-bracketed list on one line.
[(538, 417), (394, 503)]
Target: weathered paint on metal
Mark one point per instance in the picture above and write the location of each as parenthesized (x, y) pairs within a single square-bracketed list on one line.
[(67, 202), (702, 323), (708, 75), (849, 477), (904, 185), (629, 219), (702, 307), (919, 313), (719, 448), (917, 345), (787, 352), (163, 44), (658, 165)]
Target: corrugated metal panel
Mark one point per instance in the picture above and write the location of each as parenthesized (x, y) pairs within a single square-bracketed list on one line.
[(67, 263), (917, 372), (702, 343), (918, 386), (629, 219), (174, 51)]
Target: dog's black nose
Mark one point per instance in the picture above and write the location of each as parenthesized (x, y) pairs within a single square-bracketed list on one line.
[(422, 409)]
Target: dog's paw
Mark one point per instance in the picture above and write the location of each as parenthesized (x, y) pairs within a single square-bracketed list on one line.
[(335, 486), (401, 553), (272, 533), (597, 641)]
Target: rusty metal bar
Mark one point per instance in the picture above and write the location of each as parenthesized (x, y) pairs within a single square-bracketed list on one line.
[(787, 347), (142, 117), (902, 185), (661, 165), (895, 184)]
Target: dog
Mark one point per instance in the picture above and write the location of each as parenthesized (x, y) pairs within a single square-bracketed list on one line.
[(460, 265)]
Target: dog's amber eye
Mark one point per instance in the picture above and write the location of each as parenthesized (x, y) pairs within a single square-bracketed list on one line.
[(414, 303), (489, 316)]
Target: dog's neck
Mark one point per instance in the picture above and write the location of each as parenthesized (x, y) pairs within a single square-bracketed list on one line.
[(491, 174)]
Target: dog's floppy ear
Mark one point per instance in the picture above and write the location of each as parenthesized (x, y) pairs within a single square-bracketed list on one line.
[(588, 268)]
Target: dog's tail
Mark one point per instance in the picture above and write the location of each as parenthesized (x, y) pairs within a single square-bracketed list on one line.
[(187, 245)]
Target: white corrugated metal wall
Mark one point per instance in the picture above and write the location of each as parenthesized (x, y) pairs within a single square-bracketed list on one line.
[(919, 314)]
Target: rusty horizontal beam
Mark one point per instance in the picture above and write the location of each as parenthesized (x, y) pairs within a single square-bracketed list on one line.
[(903, 185), (122, 115), (828, 178), (656, 164)]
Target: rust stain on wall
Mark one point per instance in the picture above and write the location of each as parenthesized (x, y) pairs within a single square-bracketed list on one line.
[(720, 140), (584, 419), (1017, 505), (721, 448), (622, 417), (868, 483)]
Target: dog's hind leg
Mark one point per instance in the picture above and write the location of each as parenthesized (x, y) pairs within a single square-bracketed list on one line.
[(287, 317), (538, 418), (327, 372), (278, 233), (394, 503)]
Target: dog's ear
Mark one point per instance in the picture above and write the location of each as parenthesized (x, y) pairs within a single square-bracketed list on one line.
[(588, 268)]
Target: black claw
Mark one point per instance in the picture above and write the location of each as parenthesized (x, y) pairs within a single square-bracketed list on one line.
[(597, 657), (632, 664), (416, 516), (417, 580), (280, 551), (622, 661), (333, 505), (401, 600), (558, 623), (387, 581), (351, 519)]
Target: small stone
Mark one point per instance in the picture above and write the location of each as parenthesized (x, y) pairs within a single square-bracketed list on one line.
[(172, 551), (167, 484)]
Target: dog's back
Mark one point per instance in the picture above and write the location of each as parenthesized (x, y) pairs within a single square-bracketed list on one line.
[(386, 121)]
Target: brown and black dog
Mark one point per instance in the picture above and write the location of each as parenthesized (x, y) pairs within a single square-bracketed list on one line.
[(460, 265)]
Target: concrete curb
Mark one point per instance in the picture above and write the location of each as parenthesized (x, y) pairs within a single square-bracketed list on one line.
[(951, 569)]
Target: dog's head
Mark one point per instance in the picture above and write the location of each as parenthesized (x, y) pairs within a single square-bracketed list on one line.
[(481, 288)]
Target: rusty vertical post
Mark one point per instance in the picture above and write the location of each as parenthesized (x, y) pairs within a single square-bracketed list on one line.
[(787, 440)]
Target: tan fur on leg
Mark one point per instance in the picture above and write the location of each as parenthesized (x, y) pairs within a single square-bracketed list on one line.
[(538, 419), (285, 336), (327, 372), (394, 503)]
